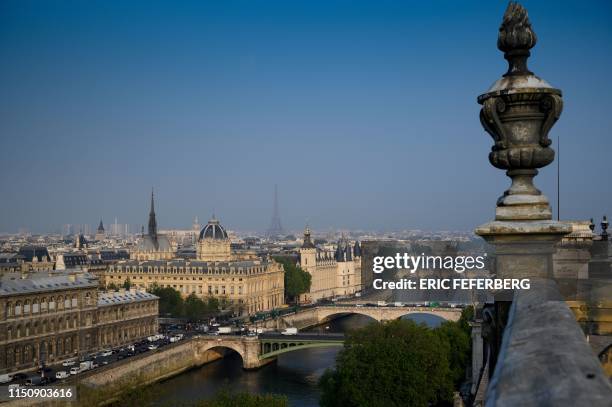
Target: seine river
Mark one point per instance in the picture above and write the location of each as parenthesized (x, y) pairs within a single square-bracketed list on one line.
[(294, 374)]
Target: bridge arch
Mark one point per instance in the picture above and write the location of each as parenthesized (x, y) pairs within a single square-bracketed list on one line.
[(208, 352), (431, 319)]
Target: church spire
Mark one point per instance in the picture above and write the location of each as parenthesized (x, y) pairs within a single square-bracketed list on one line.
[(152, 221)]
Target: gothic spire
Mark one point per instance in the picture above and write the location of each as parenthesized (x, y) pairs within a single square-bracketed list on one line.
[(152, 221)]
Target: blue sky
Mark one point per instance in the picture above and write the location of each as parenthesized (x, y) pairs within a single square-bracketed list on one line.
[(363, 112)]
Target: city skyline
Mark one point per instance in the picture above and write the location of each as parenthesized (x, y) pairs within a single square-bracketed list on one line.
[(358, 117)]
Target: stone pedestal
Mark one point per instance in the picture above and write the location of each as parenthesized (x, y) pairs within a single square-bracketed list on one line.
[(524, 249)]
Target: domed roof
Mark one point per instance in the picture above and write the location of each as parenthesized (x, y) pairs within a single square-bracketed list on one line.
[(213, 230)]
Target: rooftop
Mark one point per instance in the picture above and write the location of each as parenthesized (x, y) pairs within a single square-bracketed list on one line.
[(123, 297), (41, 282)]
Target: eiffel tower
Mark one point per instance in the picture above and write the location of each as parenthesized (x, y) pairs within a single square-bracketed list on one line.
[(275, 230)]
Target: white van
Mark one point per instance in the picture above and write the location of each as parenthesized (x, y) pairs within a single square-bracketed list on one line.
[(74, 370), (62, 374), (5, 378)]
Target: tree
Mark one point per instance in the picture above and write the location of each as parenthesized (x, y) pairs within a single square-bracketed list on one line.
[(195, 309), (297, 281), (127, 283), (212, 306), (170, 301), (467, 315), (399, 363), (225, 399), (459, 345), (112, 287)]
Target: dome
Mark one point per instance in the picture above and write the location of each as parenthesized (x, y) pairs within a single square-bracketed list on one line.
[(213, 230)]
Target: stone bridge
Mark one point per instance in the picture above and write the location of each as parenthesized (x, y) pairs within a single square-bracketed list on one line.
[(259, 351), (386, 313), (316, 315)]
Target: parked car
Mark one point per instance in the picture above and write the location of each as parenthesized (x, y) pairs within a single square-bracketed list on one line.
[(20, 376), (106, 352), (67, 363), (33, 381), (62, 374), (152, 347), (74, 370), (5, 378)]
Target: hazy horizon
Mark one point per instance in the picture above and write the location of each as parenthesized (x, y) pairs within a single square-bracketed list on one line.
[(364, 113)]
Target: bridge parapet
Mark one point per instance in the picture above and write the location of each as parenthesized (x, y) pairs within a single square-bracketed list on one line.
[(544, 358), (387, 313)]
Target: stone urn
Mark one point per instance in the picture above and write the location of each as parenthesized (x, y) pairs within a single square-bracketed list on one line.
[(518, 111)]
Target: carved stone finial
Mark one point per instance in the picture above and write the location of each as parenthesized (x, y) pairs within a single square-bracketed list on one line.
[(516, 38)]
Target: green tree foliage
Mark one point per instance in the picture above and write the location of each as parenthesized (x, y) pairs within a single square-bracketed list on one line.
[(458, 343), (297, 281), (127, 284), (170, 301), (466, 316), (226, 399), (193, 308), (145, 396), (399, 363), (213, 305)]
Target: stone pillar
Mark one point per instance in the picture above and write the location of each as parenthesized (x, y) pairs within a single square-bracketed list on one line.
[(250, 358), (518, 111), (477, 352)]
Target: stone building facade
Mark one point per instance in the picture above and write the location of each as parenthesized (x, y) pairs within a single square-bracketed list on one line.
[(333, 274), (250, 283), (46, 318), (125, 316)]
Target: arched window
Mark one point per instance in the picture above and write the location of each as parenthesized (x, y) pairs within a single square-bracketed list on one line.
[(26, 307), (18, 308), (35, 307), (74, 301), (8, 310), (43, 304), (51, 304), (67, 302), (88, 299), (60, 302)]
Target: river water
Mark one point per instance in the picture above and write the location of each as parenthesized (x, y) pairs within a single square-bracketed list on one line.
[(294, 374)]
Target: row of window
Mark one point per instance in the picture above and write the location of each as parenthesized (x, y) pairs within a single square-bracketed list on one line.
[(28, 354), (43, 327), (44, 304), (187, 270)]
